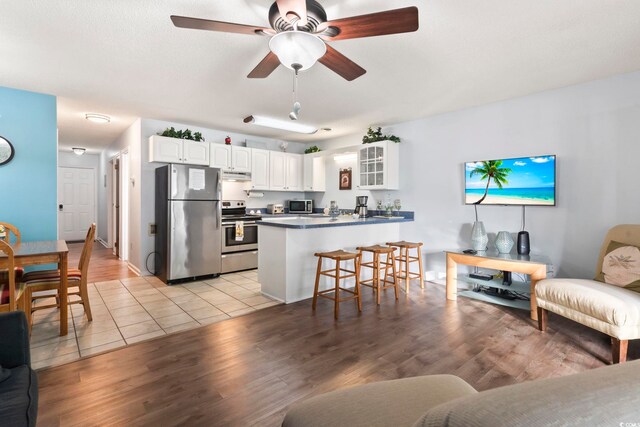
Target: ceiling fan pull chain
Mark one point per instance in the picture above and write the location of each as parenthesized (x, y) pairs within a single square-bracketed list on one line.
[(293, 115)]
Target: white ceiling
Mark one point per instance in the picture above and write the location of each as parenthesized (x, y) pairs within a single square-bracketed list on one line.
[(124, 58)]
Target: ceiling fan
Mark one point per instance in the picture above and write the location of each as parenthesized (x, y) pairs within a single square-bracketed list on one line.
[(299, 32)]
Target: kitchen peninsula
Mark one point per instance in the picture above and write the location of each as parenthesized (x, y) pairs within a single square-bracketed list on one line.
[(286, 264)]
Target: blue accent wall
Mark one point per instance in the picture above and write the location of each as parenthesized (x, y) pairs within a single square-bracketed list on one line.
[(28, 184)]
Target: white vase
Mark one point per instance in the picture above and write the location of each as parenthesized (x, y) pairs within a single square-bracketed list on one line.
[(504, 242), (479, 237)]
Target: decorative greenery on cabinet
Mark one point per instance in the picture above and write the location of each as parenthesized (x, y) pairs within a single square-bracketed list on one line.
[(313, 149), (182, 134), (376, 135)]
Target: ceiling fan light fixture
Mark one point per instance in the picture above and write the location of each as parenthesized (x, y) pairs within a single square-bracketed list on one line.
[(280, 124), (297, 47)]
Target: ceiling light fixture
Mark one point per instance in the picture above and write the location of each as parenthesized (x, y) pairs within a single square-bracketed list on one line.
[(297, 48), (79, 151), (97, 118), (280, 124)]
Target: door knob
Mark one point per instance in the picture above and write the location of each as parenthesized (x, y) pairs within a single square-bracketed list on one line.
[(60, 207)]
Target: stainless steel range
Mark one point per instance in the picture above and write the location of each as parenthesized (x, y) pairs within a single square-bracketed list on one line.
[(239, 237)]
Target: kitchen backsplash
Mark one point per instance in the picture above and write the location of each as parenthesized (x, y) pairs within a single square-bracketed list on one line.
[(237, 191)]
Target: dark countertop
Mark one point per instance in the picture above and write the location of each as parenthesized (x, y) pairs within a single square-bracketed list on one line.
[(317, 221)]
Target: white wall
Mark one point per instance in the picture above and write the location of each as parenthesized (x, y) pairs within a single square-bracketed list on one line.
[(593, 128), (128, 141)]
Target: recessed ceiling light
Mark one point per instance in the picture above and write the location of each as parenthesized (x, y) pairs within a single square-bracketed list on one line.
[(78, 150), (97, 118), (280, 124)]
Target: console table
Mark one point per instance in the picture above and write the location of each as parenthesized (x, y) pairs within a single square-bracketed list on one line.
[(533, 265)]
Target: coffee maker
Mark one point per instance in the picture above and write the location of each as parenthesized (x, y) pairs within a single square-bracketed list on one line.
[(361, 206)]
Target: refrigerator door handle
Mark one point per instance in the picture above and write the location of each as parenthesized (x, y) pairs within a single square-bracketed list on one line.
[(219, 214)]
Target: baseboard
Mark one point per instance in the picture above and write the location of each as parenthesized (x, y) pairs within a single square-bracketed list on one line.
[(103, 243), (133, 268)]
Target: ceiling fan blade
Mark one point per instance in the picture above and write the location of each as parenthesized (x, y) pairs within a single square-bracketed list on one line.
[(395, 21), (293, 9), (226, 27), (341, 65), (268, 64)]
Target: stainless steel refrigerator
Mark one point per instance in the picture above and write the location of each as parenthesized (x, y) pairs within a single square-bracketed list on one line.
[(188, 221)]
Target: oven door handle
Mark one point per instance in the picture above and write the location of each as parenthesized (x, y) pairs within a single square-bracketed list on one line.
[(233, 224)]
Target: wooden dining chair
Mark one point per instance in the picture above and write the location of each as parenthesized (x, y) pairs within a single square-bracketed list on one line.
[(11, 295), (12, 237), (46, 280)]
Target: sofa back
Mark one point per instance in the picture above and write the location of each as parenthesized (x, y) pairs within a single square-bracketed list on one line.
[(624, 233), (605, 396)]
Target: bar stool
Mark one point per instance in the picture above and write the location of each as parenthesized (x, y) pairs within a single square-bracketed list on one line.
[(405, 258), (338, 256), (376, 283)]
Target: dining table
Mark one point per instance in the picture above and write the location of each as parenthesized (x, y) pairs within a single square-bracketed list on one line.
[(45, 252)]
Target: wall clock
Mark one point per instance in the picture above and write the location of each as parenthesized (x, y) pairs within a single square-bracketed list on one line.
[(6, 151)]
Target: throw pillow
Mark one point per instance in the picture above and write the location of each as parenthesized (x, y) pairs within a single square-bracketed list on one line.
[(621, 266)]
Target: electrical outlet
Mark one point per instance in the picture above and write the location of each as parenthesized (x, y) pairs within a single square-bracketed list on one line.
[(152, 229)]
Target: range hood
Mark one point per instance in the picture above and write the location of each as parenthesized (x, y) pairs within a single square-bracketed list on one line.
[(236, 176)]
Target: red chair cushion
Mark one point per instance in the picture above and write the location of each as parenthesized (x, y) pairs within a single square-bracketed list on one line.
[(50, 276)]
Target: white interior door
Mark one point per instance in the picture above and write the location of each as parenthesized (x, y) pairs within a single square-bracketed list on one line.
[(76, 202)]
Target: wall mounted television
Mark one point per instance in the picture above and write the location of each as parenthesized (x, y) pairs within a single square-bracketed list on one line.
[(522, 181)]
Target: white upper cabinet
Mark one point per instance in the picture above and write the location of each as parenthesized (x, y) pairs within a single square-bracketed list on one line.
[(230, 158), (294, 164), (259, 169), (220, 156), (285, 171), (314, 172), (195, 153), (277, 171), (240, 159), (173, 150), (378, 166)]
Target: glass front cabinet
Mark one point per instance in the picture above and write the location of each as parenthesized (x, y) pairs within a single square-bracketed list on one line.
[(378, 166)]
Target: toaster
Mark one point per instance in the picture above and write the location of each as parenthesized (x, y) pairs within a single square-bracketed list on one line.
[(274, 209)]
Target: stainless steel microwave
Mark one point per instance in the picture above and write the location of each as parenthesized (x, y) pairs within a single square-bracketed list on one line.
[(300, 206)]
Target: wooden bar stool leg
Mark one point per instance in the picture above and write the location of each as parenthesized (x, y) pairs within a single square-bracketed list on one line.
[(407, 273), (420, 266), (356, 264), (376, 269), (337, 294), (395, 276), (400, 263), (315, 289)]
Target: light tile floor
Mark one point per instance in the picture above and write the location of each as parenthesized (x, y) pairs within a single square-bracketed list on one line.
[(136, 309)]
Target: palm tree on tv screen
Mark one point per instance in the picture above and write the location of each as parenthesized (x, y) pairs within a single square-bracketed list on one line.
[(488, 170)]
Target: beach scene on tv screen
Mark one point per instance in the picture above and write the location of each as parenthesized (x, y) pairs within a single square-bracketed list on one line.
[(520, 181)]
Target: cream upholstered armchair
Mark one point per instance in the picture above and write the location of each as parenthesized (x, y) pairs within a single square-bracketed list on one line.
[(613, 309)]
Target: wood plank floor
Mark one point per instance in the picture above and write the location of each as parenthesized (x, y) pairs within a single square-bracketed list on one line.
[(103, 265), (248, 370)]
